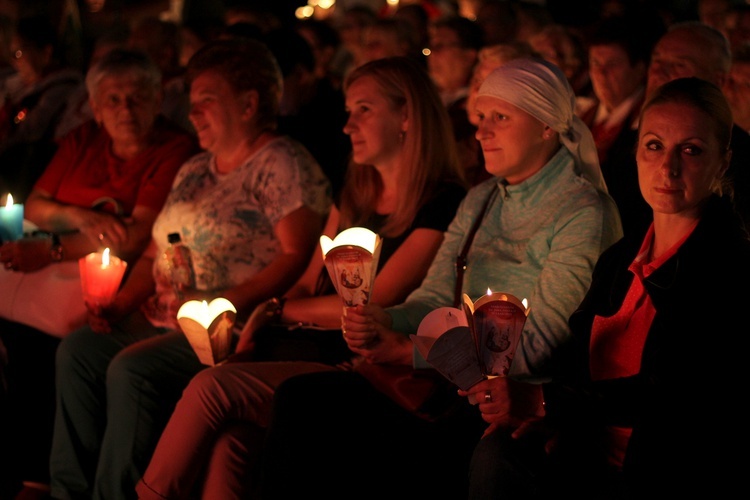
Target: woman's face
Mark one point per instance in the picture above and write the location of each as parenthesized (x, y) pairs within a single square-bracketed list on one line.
[(512, 140), (217, 112), (374, 126), (126, 107), (679, 158)]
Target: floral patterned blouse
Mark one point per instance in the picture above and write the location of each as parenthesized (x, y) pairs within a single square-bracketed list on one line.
[(227, 220)]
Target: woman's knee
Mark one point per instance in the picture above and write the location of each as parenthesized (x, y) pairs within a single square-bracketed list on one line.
[(74, 349)]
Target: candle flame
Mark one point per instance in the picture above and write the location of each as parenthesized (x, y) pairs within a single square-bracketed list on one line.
[(105, 257), (9, 201), (525, 303), (489, 292)]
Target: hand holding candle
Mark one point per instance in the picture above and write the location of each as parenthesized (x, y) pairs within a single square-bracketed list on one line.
[(11, 220), (101, 274)]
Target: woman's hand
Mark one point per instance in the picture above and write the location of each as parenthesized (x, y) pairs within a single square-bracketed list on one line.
[(505, 402), (260, 317), (101, 228), (101, 318), (25, 255), (367, 332)]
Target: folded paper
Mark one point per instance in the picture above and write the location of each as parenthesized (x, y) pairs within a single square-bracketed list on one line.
[(470, 344), (351, 259), (208, 328)]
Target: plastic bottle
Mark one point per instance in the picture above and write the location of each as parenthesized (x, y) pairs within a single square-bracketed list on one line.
[(179, 264)]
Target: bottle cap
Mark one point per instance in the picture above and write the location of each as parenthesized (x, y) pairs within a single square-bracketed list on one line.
[(174, 238)]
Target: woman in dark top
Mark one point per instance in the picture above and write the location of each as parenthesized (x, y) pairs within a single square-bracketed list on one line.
[(645, 401)]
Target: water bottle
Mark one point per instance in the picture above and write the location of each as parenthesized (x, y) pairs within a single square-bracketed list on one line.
[(179, 264)]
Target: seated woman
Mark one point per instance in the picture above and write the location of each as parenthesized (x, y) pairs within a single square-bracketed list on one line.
[(104, 187), (250, 208), (617, 404), (403, 184), (544, 219)]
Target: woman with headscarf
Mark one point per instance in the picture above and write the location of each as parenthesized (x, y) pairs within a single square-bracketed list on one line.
[(545, 219)]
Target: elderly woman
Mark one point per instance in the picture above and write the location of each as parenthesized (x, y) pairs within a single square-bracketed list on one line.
[(251, 208), (104, 187), (544, 219)]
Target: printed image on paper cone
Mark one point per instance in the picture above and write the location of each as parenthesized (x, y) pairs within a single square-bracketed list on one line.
[(208, 328), (467, 345), (499, 326), (352, 260)]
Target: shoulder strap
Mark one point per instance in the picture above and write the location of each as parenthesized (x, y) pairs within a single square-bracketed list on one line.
[(461, 258)]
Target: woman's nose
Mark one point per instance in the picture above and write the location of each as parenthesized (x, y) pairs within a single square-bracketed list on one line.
[(671, 165)]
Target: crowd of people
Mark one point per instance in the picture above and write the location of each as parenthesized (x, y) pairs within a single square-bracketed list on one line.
[(599, 168)]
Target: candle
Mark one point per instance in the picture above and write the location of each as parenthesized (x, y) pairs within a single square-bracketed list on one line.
[(101, 274), (11, 220)]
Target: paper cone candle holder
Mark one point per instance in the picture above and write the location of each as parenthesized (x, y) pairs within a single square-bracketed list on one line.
[(101, 275), (352, 261), (208, 328), (474, 342), (11, 220)]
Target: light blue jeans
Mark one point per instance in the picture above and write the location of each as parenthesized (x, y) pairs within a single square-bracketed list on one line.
[(115, 393)]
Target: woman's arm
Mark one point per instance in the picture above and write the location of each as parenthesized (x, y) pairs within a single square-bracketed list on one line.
[(298, 236), (126, 237), (305, 286)]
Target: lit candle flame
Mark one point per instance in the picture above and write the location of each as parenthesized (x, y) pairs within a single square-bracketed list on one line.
[(105, 257), (489, 292), (9, 202), (525, 303)]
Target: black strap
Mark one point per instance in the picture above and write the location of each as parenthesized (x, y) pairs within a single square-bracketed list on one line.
[(461, 258)]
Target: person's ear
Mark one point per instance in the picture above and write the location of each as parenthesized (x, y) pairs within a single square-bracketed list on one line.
[(249, 102), (725, 164), (95, 110), (404, 121), (548, 133)]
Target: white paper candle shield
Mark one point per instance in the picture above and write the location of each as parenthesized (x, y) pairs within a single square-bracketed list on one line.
[(208, 328), (475, 342), (351, 259)]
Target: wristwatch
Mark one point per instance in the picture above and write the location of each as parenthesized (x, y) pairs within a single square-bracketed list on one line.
[(56, 250)]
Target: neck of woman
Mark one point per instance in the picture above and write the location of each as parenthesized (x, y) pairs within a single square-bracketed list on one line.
[(386, 202), (229, 159), (670, 229), (129, 150)]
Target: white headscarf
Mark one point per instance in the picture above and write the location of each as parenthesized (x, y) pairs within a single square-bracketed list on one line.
[(541, 89)]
